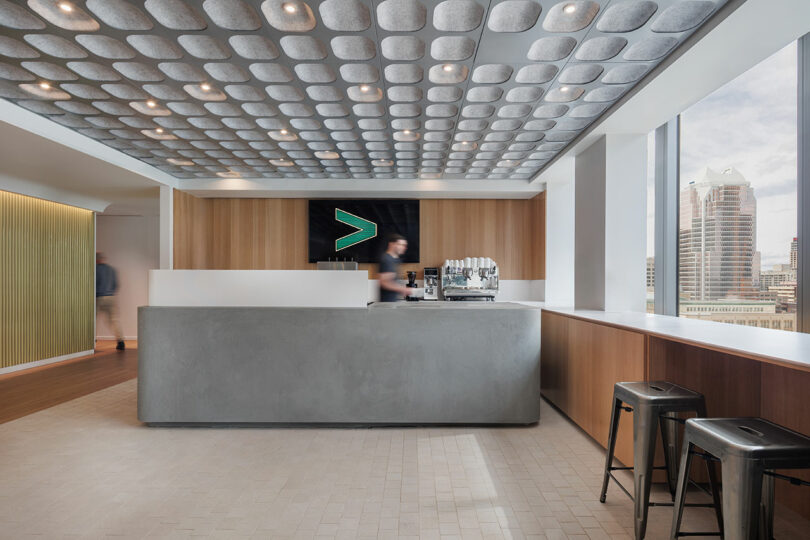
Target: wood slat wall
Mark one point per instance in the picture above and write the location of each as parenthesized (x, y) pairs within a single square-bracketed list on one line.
[(46, 279), (241, 234)]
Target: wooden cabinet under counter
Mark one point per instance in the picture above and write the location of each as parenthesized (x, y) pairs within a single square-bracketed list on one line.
[(741, 371)]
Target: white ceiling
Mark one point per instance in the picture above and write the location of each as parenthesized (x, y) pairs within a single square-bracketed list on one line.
[(454, 92)]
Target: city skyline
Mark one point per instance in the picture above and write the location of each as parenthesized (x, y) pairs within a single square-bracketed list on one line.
[(750, 124)]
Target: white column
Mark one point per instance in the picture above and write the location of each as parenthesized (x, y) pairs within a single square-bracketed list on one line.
[(166, 227), (560, 233), (610, 224), (589, 227), (626, 223)]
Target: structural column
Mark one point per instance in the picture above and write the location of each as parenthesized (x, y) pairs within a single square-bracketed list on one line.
[(166, 227), (559, 290), (610, 198)]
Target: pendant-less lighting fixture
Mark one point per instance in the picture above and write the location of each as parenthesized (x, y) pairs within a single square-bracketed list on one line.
[(45, 86), (569, 9), (447, 67), (289, 7), (364, 88), (151, 104), (159, 130), (564, 89), (283, 131), (407, 132), (205, 87), (66, 7)]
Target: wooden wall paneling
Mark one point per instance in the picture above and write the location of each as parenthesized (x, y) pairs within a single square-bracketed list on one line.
[(730, 384), (619, 355), (581, 359), (538, 228), (786, 401), (272, 234), (554, 359), (580, 363), (46, 279)]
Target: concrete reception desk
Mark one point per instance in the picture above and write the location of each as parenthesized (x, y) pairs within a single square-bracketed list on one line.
[(404, 363)]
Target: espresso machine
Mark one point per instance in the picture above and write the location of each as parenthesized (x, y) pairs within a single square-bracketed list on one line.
[(431, 284), (471, 278)]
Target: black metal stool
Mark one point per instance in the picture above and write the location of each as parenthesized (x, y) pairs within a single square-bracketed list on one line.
[(651, 403), (748, 449)]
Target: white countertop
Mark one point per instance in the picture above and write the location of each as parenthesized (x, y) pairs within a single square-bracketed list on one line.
[(790, 349)]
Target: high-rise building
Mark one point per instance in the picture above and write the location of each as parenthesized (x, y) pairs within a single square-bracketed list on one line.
[(794, 254), (718, 237)]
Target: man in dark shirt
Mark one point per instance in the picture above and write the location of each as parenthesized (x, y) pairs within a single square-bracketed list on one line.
[(106, 287), (390, 289)]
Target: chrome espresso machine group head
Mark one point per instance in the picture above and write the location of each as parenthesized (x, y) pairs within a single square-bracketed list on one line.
[(471, 278)]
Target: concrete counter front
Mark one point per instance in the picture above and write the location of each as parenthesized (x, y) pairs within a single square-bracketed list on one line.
[(421, 363)]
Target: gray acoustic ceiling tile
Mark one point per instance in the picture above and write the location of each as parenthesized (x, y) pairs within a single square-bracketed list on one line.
[(514, 15), (119, 14), (570, 16), (457, 15), (683, 16), (626, 16), (402, 48), (401, 15), (359, 88), (232, 14), (55, 46)]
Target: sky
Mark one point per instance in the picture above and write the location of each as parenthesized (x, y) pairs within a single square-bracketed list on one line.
[(750, 124)]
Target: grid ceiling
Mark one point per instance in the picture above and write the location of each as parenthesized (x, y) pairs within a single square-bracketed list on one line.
[(450, 89)]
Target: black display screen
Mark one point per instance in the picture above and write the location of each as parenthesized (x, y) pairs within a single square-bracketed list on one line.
[(356, 230)]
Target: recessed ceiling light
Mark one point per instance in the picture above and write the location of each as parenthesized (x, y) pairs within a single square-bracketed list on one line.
[(364, 88), (570, 8), (151, 104), (447, 67), (66, 7), (175, 161), (564, 89), (45, 86), (159, 130), (283, 131), (289, 7), (407, 132), (205, 87)]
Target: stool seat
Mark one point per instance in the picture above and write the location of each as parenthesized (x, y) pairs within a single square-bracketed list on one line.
[(659, 394), (750, 438), (747, 449)]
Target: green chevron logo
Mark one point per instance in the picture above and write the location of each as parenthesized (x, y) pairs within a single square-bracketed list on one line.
[(365, 229)]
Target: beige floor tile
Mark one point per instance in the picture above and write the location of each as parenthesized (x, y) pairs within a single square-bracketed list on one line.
[(88, 469)]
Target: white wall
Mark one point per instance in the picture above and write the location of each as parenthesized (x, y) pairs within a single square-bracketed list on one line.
[(559, 284), (625, 223), (131, 245)]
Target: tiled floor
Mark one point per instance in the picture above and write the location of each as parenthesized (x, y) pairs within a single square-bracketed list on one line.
[(89, 469)]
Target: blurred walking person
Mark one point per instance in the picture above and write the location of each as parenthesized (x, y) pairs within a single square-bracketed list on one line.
[(106, 303)]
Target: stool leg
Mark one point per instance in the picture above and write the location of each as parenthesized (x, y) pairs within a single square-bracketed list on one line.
[(742, 493), (680, 492), (645, 432), (714, 485), (611, 446), (669, 436), (766, 527)]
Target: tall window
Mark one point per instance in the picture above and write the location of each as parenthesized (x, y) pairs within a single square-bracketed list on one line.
[(738, 200)]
